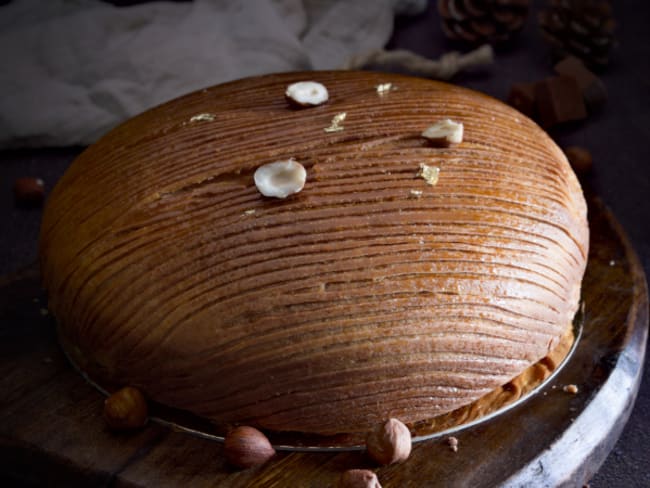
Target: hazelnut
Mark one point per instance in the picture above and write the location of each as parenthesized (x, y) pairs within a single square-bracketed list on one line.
[(444, 133), (306, 94), (572, 389), (29, 192), (579, 158), (246, 447), (358, 478), (126, 409), (280, 179), (335, 124), (389, 443)]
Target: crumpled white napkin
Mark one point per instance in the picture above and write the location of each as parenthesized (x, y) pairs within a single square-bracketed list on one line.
[(73, 69)]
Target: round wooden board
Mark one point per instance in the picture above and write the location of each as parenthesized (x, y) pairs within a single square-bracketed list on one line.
[(51, 426)]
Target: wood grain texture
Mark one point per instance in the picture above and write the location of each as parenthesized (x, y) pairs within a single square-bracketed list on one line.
[(341, 306), (51, 430)]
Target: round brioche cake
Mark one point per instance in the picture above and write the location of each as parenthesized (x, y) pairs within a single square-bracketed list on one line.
[(404, 280)]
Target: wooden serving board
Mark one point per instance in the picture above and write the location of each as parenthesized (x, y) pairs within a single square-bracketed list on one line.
[(52, 432)]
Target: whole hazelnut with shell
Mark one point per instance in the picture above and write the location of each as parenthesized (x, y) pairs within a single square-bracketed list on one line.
[(389, 443), (126, 409), (246, 447), (29, 192)]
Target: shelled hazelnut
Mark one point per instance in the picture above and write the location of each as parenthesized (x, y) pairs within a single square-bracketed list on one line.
[(280, 179), (444, 133), (306, 94)]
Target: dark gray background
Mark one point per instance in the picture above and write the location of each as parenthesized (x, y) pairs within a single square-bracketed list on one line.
[(618, 137)]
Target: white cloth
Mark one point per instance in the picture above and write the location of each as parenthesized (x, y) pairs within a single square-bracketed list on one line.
[(73, 69)]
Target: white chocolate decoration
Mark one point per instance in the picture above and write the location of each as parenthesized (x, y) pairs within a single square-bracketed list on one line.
[(280, 179)]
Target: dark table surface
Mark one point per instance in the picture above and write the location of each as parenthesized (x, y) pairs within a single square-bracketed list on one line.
[(618, 137)]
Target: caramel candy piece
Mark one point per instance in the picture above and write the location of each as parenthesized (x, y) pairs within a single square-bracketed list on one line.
[(592, 88), (522, 97), (559, 100)]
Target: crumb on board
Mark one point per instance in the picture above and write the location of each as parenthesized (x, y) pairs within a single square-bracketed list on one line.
[(452, 442)]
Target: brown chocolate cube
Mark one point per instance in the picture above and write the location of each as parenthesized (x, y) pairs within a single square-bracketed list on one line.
[(559, 100), (522, 97), (592, 88)]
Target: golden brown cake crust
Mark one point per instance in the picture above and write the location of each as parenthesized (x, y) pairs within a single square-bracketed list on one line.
[(368, 295)]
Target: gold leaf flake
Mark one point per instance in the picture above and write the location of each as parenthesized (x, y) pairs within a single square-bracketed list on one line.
[(203, 117), (338, 118), (335, 125), (384, 88), (429, 174)]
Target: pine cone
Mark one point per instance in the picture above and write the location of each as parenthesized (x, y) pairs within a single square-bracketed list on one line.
[(583, 28), (482, 21)]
